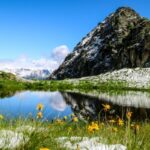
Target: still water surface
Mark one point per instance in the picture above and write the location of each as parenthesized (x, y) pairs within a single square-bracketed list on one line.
[(60, 104), (24, 104)]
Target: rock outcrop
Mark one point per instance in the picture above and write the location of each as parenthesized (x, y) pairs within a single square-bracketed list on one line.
[(122, 40)]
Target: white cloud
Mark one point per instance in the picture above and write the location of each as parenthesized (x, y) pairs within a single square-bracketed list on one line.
[(56, 58), (59, 53)]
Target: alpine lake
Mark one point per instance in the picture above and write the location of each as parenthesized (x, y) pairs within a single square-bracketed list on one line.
[(86, 106)]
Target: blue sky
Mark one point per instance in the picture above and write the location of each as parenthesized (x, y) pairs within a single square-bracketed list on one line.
[(33, 28)]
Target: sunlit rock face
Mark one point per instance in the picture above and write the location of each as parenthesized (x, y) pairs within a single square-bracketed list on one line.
[(120, 41), (91, 108)]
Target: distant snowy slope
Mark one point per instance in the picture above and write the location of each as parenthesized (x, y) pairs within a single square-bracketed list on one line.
[(29, 73)]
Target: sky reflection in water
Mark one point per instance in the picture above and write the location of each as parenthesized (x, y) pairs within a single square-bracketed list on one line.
[(60, 104), (24, 103)]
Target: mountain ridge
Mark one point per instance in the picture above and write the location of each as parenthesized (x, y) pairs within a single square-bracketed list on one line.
[(120, 41), (24, 73)]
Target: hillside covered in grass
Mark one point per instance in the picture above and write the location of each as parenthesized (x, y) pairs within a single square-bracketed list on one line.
[(7, 76), (117, 81)]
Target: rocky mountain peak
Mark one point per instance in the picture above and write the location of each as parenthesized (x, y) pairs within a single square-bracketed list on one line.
[(121, 40), (126, 10)]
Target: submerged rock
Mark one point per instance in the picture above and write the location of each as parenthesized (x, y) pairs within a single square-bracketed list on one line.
[(120, 41)]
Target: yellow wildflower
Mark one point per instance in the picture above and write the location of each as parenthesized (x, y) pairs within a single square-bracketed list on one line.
[(106, 107), (120, 122), (93, 127), (59, 121), (102, 124), (40, 106), (137, 127), (69, 129), (114, 129), (1, 117), (132, 125), (65, 117), (129, 114), (44, 149), (112, 121), (39, 115), (75, 119), (72, 115)]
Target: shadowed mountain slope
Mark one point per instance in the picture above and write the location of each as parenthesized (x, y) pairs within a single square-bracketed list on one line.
[(122, 40)]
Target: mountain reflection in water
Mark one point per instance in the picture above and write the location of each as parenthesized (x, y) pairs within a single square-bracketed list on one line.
[(88, 107), (60, 104)]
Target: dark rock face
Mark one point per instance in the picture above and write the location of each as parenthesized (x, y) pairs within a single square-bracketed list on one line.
[(121, 40)]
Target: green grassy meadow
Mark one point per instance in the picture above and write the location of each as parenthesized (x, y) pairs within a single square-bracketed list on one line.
[(43, 134)]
